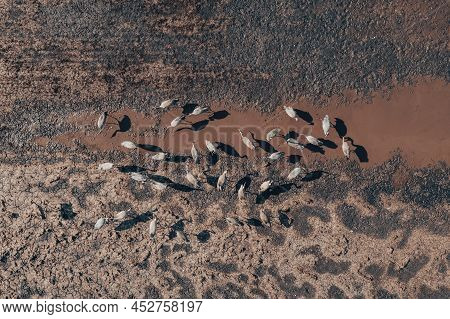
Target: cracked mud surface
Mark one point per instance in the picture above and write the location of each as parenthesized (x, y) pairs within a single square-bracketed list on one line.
[(348, 229)]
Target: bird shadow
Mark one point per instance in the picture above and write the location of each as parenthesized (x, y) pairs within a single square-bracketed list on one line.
[(312, 176), (124, 125), (203, 236), (160, 179), (362, 154), (273, 191), (179, 225), (177, 158), (197, 126), (131, 169), (188, 108), (266, 146), (328, 143), (291, 134), (294, 159), (129, 223), (149, 147), (285, 220), (219, 115), (182, 187), (212, 158), (254, 222), (246, 181), (305, 116), (315, 148), (340, 127), (212, 180), (360, 151), (228, 149)]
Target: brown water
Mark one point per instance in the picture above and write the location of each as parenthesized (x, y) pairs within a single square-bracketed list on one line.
[(413, 119)]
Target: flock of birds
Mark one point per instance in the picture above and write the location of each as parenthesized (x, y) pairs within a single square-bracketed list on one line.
[(212, 148)]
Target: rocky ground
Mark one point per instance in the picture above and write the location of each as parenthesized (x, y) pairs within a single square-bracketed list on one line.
[(341, 231)]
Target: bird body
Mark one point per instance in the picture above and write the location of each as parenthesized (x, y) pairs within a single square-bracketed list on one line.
[(345, 148), (210, 146), (194, 153), (312, 140), (176, 121), (165, 104), (138, 177), (191, 179), (100, 222), (221, 180), (233, 221), (152, 227), (272, 134), (161, 156), (290, 112), (326, 125), (102, 120), (263, 216), (121, 215), (276, 156), (199, 110), (182, 235), (265, 186), (159, 186), (105, 166), (241, 192), (294, 143), (294, 173), (247, 141), (128, 144)]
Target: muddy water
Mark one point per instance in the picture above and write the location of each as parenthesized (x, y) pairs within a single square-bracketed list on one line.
[(413, 119)]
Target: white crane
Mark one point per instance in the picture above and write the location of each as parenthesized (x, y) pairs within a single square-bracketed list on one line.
[(165, 104), (102, 120), (121, 215), (221, 181), (263, 216), (345, 147), (128, 144), (295, 144), (241, 192), (100, 222), (265, 186), (191, 179), (138, 177), (105, 166), (275, 156), (199, 110), (181, 235), (194, 153), (294, 173), (210, 146), (291, 112), (326, 125), (312, 140), (272, 134), (152, 227), (247, 141), (233, 221), (177, 121), (158, 186), (161, 156)]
